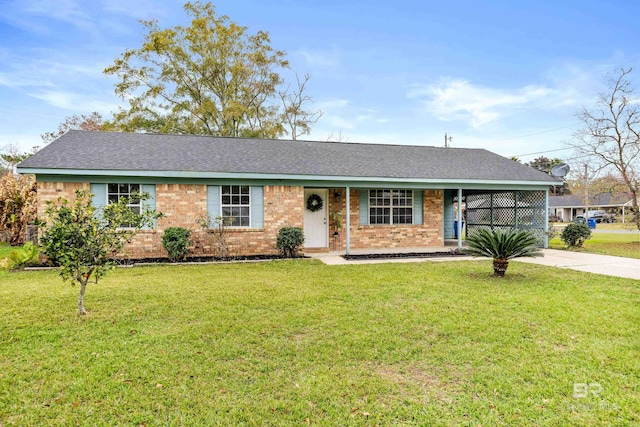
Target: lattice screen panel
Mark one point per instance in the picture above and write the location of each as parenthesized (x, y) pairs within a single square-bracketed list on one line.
[(506, 209)]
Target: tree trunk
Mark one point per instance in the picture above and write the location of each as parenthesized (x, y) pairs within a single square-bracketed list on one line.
[(500, 267), (83, 286), (83, 279)]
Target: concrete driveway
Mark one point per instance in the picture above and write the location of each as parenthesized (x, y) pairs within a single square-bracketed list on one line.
[(591, 263)]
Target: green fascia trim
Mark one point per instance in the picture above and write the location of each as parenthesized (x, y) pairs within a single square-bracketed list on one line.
[(211, 178)]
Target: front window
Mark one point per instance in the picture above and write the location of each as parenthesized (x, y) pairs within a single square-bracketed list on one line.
[(236, 205), (390, 206), (116, 192)]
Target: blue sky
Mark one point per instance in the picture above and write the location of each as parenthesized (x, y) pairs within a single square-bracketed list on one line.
[(505, 76)]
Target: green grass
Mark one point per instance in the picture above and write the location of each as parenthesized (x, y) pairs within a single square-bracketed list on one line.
[(5, 250), (283, 343), (625, 245)]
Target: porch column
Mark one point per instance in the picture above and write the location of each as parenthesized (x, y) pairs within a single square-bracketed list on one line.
[(546, 220), (460, 219), (348, 222)]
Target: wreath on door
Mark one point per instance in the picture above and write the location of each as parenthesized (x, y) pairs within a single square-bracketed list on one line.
[(314, 203)]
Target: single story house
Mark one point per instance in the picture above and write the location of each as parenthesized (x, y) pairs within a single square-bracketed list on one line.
[(389, 196), (568, 207)]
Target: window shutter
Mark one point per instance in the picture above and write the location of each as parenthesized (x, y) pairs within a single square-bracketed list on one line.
[(257, 207), (417, 206), (213, 203), (363, 195), (99, 192), (151, 203), (448, 215)]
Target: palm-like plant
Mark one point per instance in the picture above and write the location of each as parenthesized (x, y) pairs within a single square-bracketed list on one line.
[(502, 245)]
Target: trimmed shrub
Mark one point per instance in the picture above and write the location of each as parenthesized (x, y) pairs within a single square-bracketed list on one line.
[(289, 241), (574, 235), (175, 240)]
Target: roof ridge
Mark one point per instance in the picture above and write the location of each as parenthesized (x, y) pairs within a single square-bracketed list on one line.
[(280, 140)]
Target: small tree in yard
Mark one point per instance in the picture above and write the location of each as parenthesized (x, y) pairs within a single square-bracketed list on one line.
[(502, 246), (289, 241), (574, 235), (217, 229), (83, 240)]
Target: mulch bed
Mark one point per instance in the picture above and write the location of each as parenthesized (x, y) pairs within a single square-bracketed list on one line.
[(122, 262), (203, 259), (452, 253)]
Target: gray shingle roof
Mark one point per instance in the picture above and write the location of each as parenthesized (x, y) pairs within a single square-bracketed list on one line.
[(206, 154), (604, 199)]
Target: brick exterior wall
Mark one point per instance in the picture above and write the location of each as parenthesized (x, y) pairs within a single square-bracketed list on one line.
[(183, 204), (429, 233), (51, 191)]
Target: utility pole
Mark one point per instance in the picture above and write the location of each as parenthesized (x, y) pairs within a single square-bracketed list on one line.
[(586, 194), (447, 140)]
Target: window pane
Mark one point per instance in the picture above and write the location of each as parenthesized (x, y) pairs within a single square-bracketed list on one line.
[(244, 221), (112, 188), (244, 211), (113, 198), (134, 188), (244, 189), (226, 189), (235, 189), (235, 200), (123, 188), (244, 200), (403, 216), (226, 212), (226, 200)]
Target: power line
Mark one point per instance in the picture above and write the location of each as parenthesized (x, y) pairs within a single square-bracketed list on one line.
[(543, 152), (532, 134)]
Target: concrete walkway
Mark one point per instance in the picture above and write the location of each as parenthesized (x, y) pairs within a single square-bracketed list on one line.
[(591, 263)]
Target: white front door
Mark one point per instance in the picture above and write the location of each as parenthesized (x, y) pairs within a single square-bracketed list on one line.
[(316, 226)]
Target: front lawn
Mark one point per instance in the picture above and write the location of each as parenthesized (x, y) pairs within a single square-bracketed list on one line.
[(5, 250), (300, 343), (617, 244)]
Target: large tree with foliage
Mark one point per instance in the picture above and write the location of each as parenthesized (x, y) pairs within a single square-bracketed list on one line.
[(610, 133), (211, 77), (83, 240), (10, 156), (545, 164), (88, 122)]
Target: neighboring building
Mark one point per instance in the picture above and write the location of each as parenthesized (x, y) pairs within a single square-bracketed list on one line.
[(568, 207), (388, 195)]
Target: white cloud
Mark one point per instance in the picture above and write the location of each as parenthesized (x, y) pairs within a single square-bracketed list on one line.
[(73, 101), (321, 58), (457, 99), (340, 114)]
